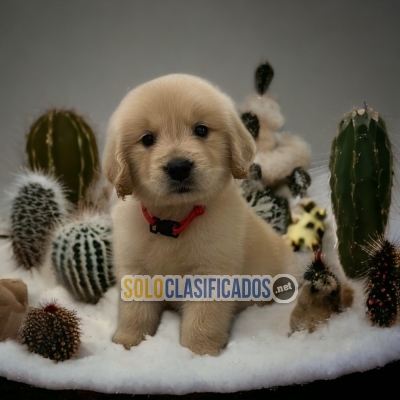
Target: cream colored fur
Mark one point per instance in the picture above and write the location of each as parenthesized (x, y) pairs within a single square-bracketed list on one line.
[(278, 153), (227, 239)]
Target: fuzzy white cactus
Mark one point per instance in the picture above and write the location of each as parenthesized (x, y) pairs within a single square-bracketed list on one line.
[(278, 153), (35, 204)]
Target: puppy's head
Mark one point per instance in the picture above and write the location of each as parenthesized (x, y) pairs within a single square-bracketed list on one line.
[(176, 139)]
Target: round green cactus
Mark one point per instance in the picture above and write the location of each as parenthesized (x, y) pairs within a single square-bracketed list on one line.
[(361, 182), (82, 257), (62, 143)]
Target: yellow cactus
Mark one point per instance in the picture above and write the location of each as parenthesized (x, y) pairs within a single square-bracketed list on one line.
[(307, 228)]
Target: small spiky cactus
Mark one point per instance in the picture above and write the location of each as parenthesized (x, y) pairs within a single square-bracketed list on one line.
[(361, 166), (319, 298), (264, 202), (321, 278), (61, 143), (37, 205), (82, 257), (52, 331), (383, 282)]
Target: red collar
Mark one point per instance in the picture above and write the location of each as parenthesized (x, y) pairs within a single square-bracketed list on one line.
[(171, 228)]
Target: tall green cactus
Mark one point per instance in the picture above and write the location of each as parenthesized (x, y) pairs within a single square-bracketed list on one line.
[(62, 143), (361, 183)]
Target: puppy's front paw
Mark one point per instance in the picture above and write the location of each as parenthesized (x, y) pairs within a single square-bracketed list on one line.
[(127, 339), (203, 345)]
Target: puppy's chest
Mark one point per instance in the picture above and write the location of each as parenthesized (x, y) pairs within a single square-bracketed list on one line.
[(164, 255), (191, 253)]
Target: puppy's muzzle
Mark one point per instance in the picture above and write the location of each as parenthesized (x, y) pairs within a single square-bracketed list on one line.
[(179, 169)]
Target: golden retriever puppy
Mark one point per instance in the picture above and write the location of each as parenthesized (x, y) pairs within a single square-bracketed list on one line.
[(174, 143)]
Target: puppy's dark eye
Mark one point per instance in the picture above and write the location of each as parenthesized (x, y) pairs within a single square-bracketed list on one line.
[(148, 140), (201, 131)]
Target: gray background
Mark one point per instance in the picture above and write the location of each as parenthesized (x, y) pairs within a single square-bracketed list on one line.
[(328, 56)]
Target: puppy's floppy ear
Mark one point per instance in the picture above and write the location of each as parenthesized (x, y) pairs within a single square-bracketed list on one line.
[(243, 148), (115, 166)]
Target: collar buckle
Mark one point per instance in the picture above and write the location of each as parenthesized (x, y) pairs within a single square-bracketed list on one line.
[(164, 227)]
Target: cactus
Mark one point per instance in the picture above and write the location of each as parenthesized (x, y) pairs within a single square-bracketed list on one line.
[(383, 284), (361, 182), (61, 143), (307, 228), (252, 123), (283, 157), (82, 257), (37, 204), (52, 331), (299, 181), (264, 202), (319, 298), (263, 77), (320, 276)]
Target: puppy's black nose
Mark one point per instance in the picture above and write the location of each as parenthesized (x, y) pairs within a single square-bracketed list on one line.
[(179, 169)]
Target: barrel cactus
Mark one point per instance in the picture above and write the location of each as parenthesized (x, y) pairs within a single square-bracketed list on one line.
[(82, 257), (62, 143), (361, 181), (52, 331)]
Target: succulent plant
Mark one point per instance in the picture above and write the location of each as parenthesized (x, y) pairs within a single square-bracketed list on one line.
[(383, 283), (263, 77), (52, 331), (320, 297), (283, 157), (82, 257), (264, 202), (252, 123), (320, 276), (37, 205), (307, 228), (61, 143), (361, 181), (299, 181)]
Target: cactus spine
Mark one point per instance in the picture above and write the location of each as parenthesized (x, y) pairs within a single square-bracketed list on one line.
[(62, 143), (82, 257), (361, 181)]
